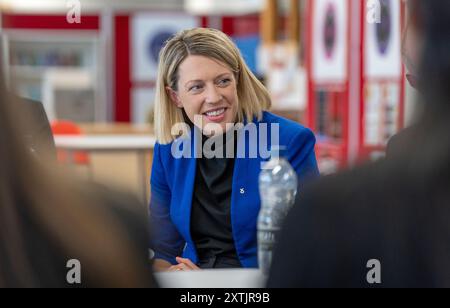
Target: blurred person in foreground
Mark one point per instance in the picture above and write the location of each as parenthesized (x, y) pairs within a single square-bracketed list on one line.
[(412, 39), (395, 211), (47, 219)]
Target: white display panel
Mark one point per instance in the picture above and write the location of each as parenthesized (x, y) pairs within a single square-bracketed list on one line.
[(149, 32), (330, 41), (383, 43)]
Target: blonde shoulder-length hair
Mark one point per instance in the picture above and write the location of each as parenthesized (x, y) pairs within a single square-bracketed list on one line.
[(253, 97)]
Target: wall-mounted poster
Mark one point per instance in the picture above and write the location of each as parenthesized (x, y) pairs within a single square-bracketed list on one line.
[(330, 41), (285, 78), (149, 33), (381, 112), (383, 43)]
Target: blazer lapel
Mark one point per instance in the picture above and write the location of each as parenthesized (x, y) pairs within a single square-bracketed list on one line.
[(187, 187), (241, 177)]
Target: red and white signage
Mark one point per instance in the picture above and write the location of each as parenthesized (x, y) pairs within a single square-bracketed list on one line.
[(329, 41), (383, 43)]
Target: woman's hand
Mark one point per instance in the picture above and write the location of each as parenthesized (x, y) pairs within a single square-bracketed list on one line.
[(184, 265)]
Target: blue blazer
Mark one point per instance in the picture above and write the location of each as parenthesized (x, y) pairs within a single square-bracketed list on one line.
[(172, 187)]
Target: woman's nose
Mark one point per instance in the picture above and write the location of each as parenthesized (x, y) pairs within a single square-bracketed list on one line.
[(213, 96)]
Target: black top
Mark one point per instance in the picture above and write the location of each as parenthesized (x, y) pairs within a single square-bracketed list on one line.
[(211, 204)]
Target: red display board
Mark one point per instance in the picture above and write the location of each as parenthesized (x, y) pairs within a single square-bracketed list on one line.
[(382, 110), (355, 79)]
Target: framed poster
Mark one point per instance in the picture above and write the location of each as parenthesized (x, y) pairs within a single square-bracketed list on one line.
[(382, 45), (149, 33), (330, 41)]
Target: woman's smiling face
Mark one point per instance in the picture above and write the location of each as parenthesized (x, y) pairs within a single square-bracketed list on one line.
[(206, 88)]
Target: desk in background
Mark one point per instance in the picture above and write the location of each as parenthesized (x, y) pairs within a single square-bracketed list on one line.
[(141, 145)]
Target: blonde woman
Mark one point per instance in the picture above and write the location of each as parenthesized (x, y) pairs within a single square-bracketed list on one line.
[(204, 208)]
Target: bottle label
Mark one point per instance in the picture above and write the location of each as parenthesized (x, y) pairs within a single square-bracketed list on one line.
[(267, 238)]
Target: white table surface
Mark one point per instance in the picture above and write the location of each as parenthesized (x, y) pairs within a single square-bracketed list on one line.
[(229, 279), (105, 142)]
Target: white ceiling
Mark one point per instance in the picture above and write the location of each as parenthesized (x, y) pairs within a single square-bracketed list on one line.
[(233, 7), (210, 7), (56, 6)]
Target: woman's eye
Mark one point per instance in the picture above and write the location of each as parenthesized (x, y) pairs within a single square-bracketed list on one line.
[(195, 88), (224, 82)]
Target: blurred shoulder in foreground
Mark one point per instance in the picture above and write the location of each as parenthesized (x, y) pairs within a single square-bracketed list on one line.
[(386, 212), (56, 231)]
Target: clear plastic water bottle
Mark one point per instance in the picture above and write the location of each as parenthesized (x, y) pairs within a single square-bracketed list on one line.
[(278, 189)]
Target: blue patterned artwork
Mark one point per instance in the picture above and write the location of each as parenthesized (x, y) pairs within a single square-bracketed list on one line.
[(329, 35), (384, 28), (156, 42)]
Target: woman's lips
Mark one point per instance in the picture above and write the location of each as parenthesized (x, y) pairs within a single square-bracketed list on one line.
[(216, 116)]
